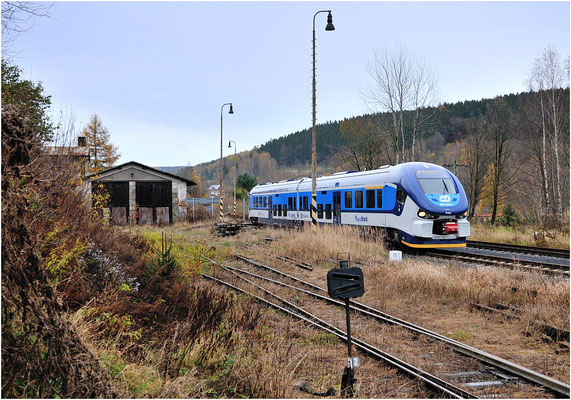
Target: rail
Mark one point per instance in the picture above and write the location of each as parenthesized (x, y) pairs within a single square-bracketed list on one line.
[(438, 384), (549, 252), (487, 358)]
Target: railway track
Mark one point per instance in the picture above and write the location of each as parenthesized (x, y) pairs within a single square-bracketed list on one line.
[(493, 372), (512, 248), (513, 262), (441, 387)]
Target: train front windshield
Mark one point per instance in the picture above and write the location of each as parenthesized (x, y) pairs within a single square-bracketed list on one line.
[(435, 182)]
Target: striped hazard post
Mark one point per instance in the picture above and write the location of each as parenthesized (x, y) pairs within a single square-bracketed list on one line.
[(314, 211), (221, 206), (234, 212)]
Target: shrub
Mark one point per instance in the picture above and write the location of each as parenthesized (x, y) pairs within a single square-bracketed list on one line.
[(509, 216)]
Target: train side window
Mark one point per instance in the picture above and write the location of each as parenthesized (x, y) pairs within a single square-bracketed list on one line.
[(305, 203), (401, 196), (294, 204), (256, 201), (348, 199), (265, 201), (320, 211), (279, 210), (275, 210), (358, 199), (379, 198), (290, 203), (285, 210), (370, 198), (328, 211)]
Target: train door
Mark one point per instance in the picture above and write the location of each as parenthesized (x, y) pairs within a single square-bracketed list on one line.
[(336, 208), (270, 209)]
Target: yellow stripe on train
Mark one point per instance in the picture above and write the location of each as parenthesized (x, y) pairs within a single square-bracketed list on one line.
[(433, 246)]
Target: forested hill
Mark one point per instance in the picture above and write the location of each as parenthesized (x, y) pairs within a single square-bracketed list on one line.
[(448, 120)]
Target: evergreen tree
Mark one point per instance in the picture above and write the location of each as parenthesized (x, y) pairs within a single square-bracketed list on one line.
[(246, 181), (28, 97), (102, 153)]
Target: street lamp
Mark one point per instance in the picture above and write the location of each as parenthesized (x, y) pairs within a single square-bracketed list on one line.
[(329, 27), (235, 171), (222, 161)]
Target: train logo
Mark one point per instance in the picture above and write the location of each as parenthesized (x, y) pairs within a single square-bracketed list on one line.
[(444, 199)]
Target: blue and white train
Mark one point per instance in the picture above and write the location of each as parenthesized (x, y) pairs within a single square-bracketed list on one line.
[(417, 204)]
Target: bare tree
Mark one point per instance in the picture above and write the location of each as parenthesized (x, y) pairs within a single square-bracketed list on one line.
[(423, 95), (400, 83), (475, 154), (390, 90), (550, 116), (364, 143), (18, 17), (538, 117), (499, 134)]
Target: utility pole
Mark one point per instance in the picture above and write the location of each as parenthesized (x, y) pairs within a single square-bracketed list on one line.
[(222, 162), (329, 27), (235, 173)]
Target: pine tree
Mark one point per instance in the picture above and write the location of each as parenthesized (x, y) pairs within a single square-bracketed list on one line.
[(102, 153)]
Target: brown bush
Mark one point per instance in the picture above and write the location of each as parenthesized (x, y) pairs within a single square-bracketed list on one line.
[(41, 354)]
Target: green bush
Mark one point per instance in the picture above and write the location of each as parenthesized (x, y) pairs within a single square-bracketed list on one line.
[(509, 216)]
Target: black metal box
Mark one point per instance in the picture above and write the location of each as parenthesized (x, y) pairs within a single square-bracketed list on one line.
[(345, 283)]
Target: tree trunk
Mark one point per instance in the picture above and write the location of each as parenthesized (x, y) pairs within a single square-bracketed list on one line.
[(556, 152)]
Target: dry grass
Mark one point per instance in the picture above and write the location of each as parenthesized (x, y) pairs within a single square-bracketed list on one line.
[(542, 298), (325, 244), (522, 235), (240, 354), (436, 296)]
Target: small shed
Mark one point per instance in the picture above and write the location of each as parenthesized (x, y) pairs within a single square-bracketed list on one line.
[(140, 194)]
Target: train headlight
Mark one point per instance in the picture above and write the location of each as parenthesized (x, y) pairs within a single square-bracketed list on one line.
[(462, 216), (424, 214)]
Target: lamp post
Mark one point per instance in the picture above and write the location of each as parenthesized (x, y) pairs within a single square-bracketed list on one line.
[(222, 162), (235, 172), (329, 27)]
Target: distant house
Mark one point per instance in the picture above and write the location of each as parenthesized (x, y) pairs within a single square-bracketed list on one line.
[(214, 191), (59, 157), (140, 194)]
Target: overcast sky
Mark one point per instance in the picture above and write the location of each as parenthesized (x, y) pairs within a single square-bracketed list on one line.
[(157, 73)]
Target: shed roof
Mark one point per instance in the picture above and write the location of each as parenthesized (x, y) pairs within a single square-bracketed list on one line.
[(143, 167)]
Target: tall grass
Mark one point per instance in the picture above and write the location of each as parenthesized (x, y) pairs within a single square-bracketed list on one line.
[(326, 243), (522, 235), (542, 298), (213, 344)]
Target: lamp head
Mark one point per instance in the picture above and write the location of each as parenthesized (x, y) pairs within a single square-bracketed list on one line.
[(229, 144), (329, 26), (231, 109)]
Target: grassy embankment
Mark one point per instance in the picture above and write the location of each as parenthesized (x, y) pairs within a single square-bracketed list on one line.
[(521, 234), (435, 295)]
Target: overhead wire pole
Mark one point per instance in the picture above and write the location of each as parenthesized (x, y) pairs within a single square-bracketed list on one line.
[(329, 27), (235, 172), (221, 191)]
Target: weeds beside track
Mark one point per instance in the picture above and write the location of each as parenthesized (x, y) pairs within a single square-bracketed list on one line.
[(558, 387)]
